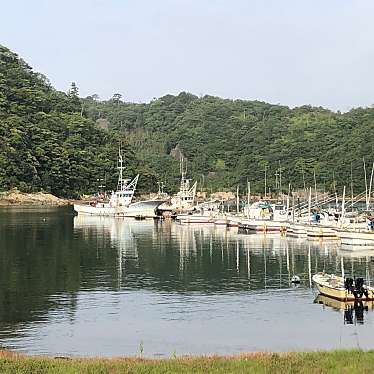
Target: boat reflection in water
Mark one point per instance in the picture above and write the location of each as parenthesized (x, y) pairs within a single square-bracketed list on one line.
[(205, 257), (353, 311)]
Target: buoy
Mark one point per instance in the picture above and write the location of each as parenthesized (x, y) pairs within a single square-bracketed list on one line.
[(295, 279)]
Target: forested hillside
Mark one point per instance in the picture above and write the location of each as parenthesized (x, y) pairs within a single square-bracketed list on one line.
[(45, 142), (227, 142), (63, 144)]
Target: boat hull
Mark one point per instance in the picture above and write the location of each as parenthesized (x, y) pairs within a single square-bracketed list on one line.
[(195, 218), (296, 229), (263, 225), (319, 231), (333, 286), (356, 238), (145, 209)]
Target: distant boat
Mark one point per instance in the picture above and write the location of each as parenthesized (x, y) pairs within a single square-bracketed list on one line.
[(120, 203), (184, 200), (264, 217), (356, 238), (345, 289)]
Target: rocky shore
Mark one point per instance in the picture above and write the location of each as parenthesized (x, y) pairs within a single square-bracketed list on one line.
[(15, 197)]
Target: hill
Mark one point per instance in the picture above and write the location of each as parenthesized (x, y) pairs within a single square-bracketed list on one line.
[(63, 144), (228, 142), (45, 142)]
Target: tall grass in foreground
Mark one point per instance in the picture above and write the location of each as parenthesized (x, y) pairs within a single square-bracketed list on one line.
[(347, 361)]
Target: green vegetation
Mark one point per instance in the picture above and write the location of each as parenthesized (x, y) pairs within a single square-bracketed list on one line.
[(314, 362), (62, 144), (228, 141), (45, 142)]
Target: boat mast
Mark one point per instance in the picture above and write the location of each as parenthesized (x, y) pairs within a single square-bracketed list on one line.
[(302, 170), (310, 203), (343, 206), (366, 184), (248, 196), (315, 186), (237, 199), (370, 185), (265, 183), (120, 167), (351, 187)]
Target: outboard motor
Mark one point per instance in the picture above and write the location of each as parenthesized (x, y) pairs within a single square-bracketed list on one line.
[(359, 290), (348, 284)]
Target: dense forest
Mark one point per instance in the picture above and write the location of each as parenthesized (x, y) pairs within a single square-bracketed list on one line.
[(64, 144), (228, 142), (45, 142)]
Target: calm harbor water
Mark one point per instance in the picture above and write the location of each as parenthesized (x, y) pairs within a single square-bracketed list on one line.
[(95, 286)]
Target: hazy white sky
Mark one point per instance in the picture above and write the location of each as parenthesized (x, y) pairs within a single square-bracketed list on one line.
[(293, 52)]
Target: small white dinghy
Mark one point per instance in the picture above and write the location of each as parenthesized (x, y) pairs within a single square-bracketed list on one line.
[(343, 289)]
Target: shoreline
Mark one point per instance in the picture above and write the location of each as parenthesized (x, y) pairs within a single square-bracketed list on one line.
[(337, 361), (17, 198)]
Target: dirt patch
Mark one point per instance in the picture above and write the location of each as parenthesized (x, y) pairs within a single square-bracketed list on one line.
[(15, 197)]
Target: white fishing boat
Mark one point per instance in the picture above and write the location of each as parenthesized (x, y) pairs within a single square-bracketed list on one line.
[(184, 200), (296, 229), (196, 218), (319, 231), (234, 221), (356, 238), (263, 225), (222, 220), (265, 217), (120, 203)]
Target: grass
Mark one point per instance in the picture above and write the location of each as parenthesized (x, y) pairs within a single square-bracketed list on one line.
[(342, 361)]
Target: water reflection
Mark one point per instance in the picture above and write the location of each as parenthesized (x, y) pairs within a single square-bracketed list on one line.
[(353, 311), (214, 258), (91, 285)]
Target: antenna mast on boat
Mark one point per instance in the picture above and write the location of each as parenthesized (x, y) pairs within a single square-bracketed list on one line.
[(315, 186), (265, 183), (370, 185), (237, 199), (183, 171), (310, 203), (351, 187), (120, 167), (248, 196), (280, 177), (343, 206), (366, 184)]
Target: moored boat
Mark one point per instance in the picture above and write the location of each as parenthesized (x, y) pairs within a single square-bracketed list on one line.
[(263, 225), (120, 202), (318, 231), (296, 229), (342, 289), (356, 238), (195, 218)]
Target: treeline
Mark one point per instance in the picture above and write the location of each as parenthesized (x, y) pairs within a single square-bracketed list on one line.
[(228, 142), (61, 143)]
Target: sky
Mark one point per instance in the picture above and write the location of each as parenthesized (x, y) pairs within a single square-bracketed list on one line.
[(292, 52)]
